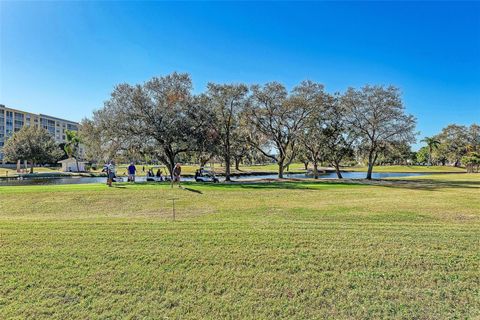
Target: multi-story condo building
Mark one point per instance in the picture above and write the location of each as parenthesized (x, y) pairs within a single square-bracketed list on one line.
[(12, 120)]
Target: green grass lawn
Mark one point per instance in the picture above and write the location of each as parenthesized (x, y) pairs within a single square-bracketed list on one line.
[(405, 249), (13, 172)]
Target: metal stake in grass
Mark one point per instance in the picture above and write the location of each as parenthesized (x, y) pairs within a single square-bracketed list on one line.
[(173, 207)]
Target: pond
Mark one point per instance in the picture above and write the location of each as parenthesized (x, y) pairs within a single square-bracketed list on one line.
[(82, 180)]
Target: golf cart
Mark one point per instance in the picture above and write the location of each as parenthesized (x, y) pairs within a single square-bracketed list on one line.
[(152, 174), (202, 175)]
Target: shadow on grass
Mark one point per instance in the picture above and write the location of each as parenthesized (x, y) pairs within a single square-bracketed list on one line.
[(192, 190), (312, 184), (420, 184), (424, 184), (293, 184)]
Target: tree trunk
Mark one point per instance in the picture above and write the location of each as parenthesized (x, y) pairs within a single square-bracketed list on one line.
[(371, 160), (76, 160), (337, 170), (369, 172), (227, 167), (31, 167), (237, 164), (172, 168), (306, 165), (203, 162), (169, 161), (280, 168), (315, 170)]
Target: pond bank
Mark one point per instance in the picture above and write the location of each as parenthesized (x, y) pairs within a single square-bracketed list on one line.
[(79, 179)]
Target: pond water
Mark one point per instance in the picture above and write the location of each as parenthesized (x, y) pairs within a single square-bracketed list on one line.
[(81, 180), (333, 175)]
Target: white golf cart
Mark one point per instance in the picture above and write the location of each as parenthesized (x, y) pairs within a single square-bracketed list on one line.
[(202, 175)]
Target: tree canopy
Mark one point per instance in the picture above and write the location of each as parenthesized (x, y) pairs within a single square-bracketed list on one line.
[(378, 116), (280, 117), (163, 119), (227, 103), (33, 144), (161, 114)]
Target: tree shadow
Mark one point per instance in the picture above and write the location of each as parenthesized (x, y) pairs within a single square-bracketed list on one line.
[(423, 184), (312, 184), (293, 184), (192, 190)]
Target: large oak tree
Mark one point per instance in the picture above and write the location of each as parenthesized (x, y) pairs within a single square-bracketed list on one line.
[(227, 102), (280, 117), (33, 144), (161, 113), (328, 136), (378, 115)]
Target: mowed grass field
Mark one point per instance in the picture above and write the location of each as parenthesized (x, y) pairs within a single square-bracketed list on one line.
[(407, 249)]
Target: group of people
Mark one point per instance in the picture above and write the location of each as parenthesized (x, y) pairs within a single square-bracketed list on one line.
[(158, 175), (110, 170)]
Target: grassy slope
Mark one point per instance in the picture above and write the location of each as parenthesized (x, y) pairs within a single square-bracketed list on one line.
[(282, 250)]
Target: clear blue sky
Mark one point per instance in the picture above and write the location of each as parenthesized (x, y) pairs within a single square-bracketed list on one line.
[(63, 58)]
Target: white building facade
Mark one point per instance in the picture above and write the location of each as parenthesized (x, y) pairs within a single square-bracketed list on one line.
[(72, 165), (12, 120)]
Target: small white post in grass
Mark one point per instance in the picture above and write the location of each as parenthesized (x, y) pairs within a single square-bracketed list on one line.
[(173, 207)]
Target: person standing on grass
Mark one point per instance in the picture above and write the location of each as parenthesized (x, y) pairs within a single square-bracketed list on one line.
[(110, 169), (131, 172), (177, 171)]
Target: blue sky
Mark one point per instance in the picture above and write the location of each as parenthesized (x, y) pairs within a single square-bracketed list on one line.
[(63, 58)]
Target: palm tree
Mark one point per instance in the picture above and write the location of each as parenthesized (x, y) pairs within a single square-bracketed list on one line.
[(432, 144), (71, 146)]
